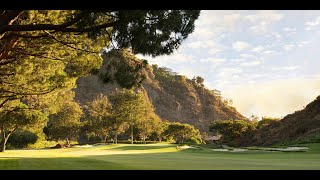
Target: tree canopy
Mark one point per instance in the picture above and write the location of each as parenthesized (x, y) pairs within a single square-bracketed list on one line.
[(231, 130), (127, 108), (65, 124), (43, 50), (17, 115), (98, 119), (183, 133)]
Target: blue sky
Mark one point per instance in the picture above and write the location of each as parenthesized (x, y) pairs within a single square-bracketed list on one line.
[(265, 61)]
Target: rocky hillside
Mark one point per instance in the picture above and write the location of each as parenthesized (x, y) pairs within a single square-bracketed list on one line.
[(174, 97), (301, 126)]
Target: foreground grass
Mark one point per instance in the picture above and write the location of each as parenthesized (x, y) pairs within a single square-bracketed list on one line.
[(156, 156)]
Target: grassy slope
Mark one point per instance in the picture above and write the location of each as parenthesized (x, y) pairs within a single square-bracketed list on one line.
[(157, 156)]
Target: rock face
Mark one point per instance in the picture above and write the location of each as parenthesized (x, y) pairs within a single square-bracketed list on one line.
[(174, 97), (300, 126)]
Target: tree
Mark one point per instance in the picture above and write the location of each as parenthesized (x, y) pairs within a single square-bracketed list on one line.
[(15, 115), (65, 124), (231, 130), (98, 119), (194, 79), (266, 121), (183, 132), (199, 80), (42, 50), (127, 108), (158, 130), (147, 126)]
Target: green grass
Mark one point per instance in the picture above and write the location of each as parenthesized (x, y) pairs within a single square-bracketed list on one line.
[(157, 156)]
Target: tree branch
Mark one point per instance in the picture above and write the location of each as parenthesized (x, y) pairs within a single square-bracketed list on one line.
[(77, 18), (27, 94), (9, 17), (7, 62), (23, 36), (6, 50), (4, 102), (58, 28), (40, 55), (66, 44), (7, 74)]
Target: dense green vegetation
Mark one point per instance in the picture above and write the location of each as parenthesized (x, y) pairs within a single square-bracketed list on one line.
[(183, 133), (127, 70), (234, 132), (158, 156), (43, 52)]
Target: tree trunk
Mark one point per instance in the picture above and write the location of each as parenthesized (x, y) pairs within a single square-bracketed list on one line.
[(3, 144), (101, 137), (160, 138), (105, 138), (4, 139), (68, 142), (131, 134), (116, 137)]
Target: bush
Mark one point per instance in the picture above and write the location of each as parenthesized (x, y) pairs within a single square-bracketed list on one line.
[(94, 139), (194, 140), (21, 139), (94, 71), (105, 77)]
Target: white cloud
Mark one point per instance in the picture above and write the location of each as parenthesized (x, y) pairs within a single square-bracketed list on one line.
[(303, 43), (286, 68), (259, 29), (251, 63), (196, 44), (222, 21), (240, 45), (202, 33), (258, 49), (277, 35), (214, 51), (262, 21), (213, 60), (247, 56), (227, 73), (288, 47), (238, 60), (270, 52), (214, 47), (311, 24), (264, 16), (289, 31)]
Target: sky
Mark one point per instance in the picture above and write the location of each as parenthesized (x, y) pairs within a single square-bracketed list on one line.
[(267, 61)]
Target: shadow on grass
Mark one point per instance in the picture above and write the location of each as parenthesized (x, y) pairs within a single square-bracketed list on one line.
[(59, 163)]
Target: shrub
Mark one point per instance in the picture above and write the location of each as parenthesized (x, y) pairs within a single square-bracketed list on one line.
[(194, 140), (94, 71), (22, 138)]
